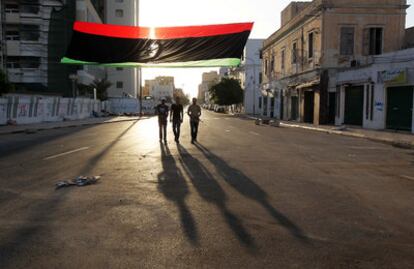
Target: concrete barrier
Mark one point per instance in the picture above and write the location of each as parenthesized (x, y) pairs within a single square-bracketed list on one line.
[(3, 111), (27, 109), (123, 105)]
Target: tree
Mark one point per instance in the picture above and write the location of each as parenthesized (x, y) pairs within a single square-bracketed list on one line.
[(101, 86), (227, 92), (5, 85)]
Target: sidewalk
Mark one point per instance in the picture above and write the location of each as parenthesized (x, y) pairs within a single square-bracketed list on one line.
[(33, 128), (400, 139)]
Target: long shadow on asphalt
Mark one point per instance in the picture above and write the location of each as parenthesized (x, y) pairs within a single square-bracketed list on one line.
[(93, 161), (172, 184), (208, 188), (27, 141), (247, 187), (27, 237)]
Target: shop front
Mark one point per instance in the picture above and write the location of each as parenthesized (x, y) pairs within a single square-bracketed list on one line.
[(377, 97)]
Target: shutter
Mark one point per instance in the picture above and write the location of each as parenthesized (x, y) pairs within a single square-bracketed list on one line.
[(365, 42)]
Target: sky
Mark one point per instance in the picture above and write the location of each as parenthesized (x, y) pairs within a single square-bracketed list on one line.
[(264, 13)]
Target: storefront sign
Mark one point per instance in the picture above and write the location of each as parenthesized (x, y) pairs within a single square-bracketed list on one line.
[(394, 76)]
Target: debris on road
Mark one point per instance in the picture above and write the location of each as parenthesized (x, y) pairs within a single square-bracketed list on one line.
[(80, 181)]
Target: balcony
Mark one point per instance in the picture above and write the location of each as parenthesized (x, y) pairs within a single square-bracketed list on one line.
[(13, 47), (13, 18), (26, 75)]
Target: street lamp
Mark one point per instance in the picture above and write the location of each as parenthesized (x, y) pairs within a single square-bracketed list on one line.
[(254, 81)]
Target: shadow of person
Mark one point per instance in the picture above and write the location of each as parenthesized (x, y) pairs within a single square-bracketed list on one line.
[(208, 188), (245, 186), (172, 185)]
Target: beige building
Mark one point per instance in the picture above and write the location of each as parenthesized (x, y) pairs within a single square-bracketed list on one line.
[(208, 80), (316, 40), (161, 87)]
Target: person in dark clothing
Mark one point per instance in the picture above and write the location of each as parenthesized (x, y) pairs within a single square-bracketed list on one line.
[(194, 111), (176, 117), (162, 112)]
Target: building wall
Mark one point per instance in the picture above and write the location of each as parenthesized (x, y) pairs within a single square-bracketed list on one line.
[(125, 81), (250, 75), (29, 31), (369, 77), (386, 14), (85, 11), (161, 87), (289, 70), (208, 80)]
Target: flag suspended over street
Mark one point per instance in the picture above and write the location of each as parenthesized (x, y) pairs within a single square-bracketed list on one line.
[(189, 46)]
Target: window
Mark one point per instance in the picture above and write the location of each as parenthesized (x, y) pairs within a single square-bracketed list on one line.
[(30, 8), (11, 8), (272, 64), (282, 60), (347, 41), (265, 67), (294, 53), (260, 77), (260, 102), (375, 41), (23, 62), (119, 84), (119, 13), (12, 32), (310, 45), (30, 32)]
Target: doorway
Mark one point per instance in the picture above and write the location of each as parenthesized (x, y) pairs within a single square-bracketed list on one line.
[(294, 108), (400, 108), (308, 106), (354, 105)]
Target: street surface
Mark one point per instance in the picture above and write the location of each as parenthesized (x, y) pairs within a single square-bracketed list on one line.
[(246, 196)]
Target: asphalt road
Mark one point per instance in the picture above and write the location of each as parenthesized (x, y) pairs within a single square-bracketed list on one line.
[(246, 196)]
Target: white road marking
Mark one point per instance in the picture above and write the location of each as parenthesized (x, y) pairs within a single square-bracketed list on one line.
[(65, 153), (254, 133), (366, 148), (407, 177)]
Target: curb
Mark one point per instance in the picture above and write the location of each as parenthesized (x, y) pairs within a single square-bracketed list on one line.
[(396, 143), (35, 130)]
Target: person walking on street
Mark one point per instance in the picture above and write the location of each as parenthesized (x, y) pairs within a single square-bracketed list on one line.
[(176, 117), (194, 111), (162, 112)]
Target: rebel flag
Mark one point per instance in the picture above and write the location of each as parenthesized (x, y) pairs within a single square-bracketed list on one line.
[(188, 46)]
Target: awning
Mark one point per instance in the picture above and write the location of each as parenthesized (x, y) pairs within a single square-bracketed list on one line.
[(308, 84)]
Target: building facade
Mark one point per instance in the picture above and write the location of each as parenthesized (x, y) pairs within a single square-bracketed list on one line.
[(35, 35), (208, 79), (125, 81), (87, 11), (316, 40), (379, 96), (250, 75), (161, 88)]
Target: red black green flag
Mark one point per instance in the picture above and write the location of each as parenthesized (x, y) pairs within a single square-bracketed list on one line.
[(190, 46)]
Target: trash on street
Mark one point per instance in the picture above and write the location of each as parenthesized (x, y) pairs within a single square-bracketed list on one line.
[(80, 181)]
